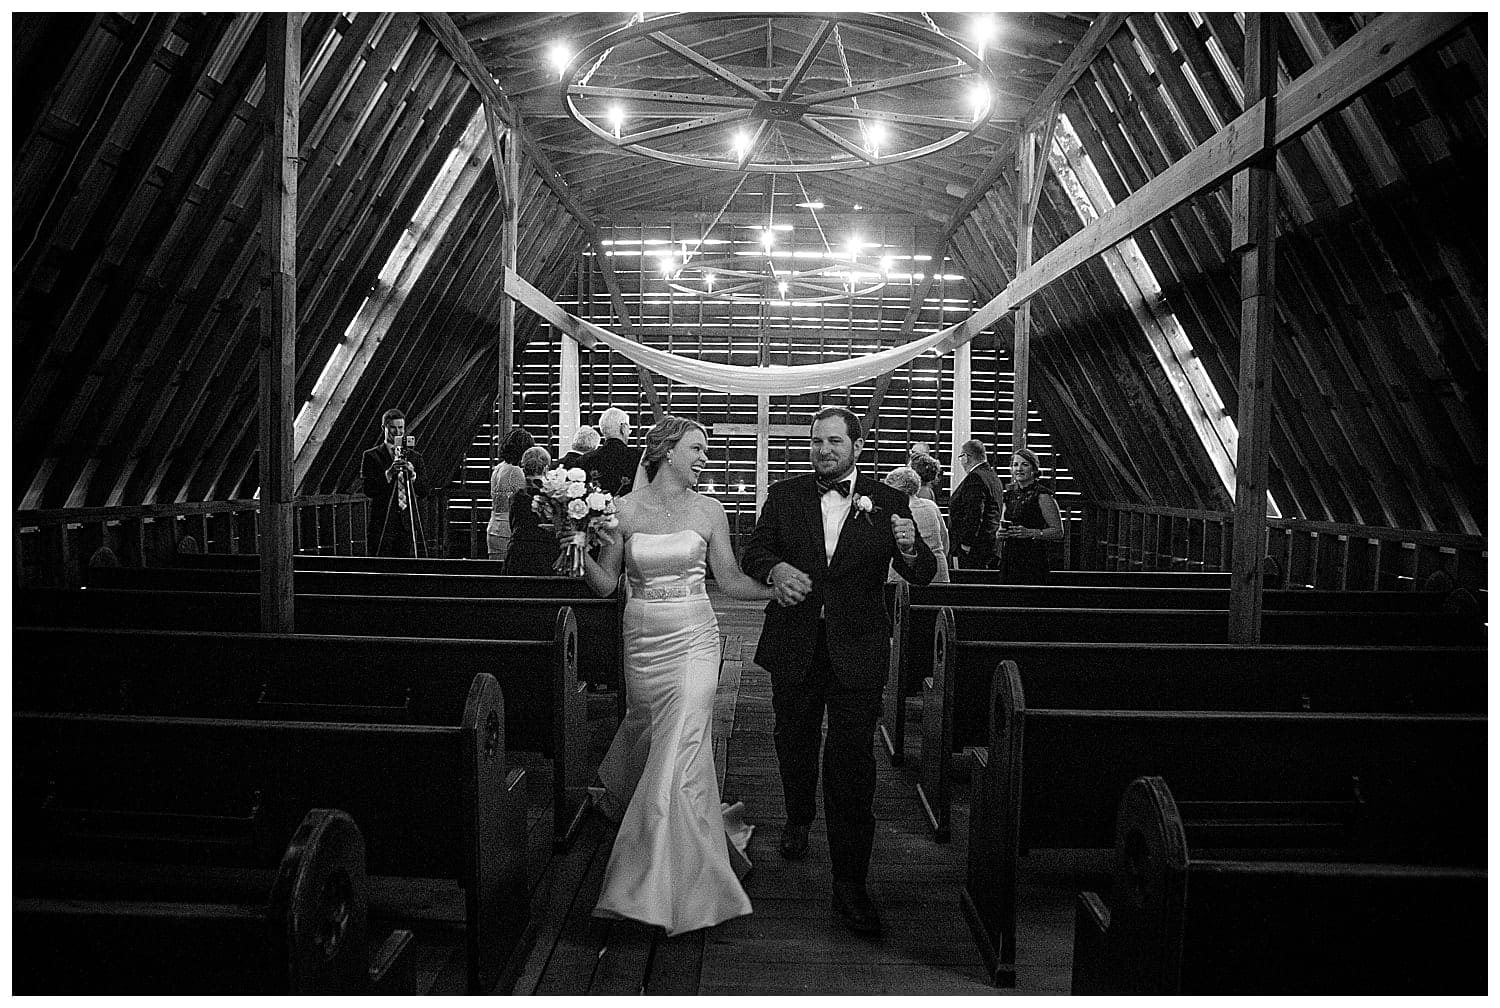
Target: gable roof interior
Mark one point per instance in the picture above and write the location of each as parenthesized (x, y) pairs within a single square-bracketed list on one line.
[(137, 205)]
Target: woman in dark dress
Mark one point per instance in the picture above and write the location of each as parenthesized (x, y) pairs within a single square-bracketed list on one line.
[(533, 549), (1030, 522)]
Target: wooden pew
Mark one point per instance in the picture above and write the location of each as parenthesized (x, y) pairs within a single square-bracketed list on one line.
[(1054, 777), (307, 677), (1185, 918), (1107, 578), (1143, 676), (293, 923), (334, 562), (1158, 620), (598, 618), (433, 801)]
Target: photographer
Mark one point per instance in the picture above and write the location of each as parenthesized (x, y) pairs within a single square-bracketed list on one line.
[(390, 475)]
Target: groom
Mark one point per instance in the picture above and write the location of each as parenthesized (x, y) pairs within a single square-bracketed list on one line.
[(824, 542)]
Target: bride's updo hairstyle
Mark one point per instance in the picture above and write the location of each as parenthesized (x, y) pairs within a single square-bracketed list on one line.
[(663, 437)]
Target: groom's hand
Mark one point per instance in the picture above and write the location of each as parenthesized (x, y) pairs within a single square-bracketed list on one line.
[(789, 584), (905, 531)]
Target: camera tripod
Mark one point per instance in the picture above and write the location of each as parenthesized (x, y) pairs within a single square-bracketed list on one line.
[(393, 510)]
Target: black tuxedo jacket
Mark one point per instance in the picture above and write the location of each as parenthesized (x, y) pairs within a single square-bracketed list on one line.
[(612, 466), (849, 590), (372, 475), (974, 516)]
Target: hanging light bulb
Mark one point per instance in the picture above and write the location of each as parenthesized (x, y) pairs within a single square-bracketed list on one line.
[(979, 101), (560, 56), (741, 141), (876, 135), (708, 278), (768, 238), (983, 30), (668, 264), (616, 119), (885, 264), (782, 287)]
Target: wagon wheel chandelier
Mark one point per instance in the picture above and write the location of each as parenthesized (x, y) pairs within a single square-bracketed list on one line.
[(755, 276), (779, 92)]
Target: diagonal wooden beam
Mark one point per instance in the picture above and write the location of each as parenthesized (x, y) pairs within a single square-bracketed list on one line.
[(1092, 43), (498, 104)]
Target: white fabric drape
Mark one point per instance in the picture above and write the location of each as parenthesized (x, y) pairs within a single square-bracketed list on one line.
[(778, 379)]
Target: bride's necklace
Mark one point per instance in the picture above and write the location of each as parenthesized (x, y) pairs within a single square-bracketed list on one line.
[(670, 509)]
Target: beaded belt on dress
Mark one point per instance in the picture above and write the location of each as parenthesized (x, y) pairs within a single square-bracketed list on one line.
[(655, 592)]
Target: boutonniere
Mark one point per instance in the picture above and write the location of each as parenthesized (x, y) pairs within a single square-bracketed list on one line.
[(864, 507)]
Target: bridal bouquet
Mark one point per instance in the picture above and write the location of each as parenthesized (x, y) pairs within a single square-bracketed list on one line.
[(576, 506)]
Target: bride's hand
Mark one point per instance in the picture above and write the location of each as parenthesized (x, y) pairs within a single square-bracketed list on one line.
[(606, 537)]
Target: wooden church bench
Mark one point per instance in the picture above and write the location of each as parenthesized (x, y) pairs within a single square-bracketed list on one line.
[(1185, 918), (1391, 678), (912, 664), (336, 562), (598, 618), (307, 677), (287, 922), (381, 616), (433, 801), (1107, 578), (1053, 778)]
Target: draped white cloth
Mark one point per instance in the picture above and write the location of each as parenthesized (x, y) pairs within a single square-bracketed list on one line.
[(777, 379)]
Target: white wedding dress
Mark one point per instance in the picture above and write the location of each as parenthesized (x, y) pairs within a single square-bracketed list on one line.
[(674, 864)]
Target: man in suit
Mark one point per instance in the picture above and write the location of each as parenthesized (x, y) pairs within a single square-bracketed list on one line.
[(974, 511), (612, 465), (392, 485), (825, 542)]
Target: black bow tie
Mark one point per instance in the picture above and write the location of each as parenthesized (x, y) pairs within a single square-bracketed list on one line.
[(843, 486)]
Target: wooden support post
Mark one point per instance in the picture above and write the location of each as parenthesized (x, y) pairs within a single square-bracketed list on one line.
[(963, 397), (569, 399), (762, 451), (1255, 239), (280, 107), (509, 155), (1021, 347)]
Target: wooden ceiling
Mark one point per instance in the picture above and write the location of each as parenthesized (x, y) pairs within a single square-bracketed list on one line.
[(137, 202)]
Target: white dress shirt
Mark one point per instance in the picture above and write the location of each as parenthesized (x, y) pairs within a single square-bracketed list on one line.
[(835, 513)]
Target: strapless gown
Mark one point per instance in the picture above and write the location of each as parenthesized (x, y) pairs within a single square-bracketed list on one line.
[(673, 863)]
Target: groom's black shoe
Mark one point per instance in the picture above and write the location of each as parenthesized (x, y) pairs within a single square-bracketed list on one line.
[(794, 842), (854, 905)]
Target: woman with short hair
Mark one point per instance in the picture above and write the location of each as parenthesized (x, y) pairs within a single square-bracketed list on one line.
[(925, 513)]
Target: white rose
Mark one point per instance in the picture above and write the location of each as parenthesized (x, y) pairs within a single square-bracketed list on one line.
[(553, 480), (597, 500), (576, 489), (864, 504), (576, 475), (577, 508)]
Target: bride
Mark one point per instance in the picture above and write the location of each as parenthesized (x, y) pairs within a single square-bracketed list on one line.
[(673, 863)]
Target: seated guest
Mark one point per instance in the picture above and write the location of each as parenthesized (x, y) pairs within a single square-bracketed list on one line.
[(1032, 520), (927, 469), (533, 548), (927, 516), (585, 441)]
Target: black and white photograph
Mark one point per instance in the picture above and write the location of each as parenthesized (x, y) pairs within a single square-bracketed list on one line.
[(772, 503)]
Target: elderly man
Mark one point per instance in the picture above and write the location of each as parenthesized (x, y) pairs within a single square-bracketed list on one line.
[(612, 464)]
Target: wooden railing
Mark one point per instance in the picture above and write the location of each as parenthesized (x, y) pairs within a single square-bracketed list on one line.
[(1309, 554), (51, 547)]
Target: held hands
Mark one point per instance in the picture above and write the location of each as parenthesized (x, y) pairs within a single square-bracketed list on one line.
[(905, 531), (399, 466), (789, 585), (1018, 532)]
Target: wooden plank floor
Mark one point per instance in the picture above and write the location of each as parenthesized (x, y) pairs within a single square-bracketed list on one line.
[(792, 943)]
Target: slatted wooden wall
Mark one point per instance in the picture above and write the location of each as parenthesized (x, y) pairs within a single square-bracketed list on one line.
[(1380, 379)]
